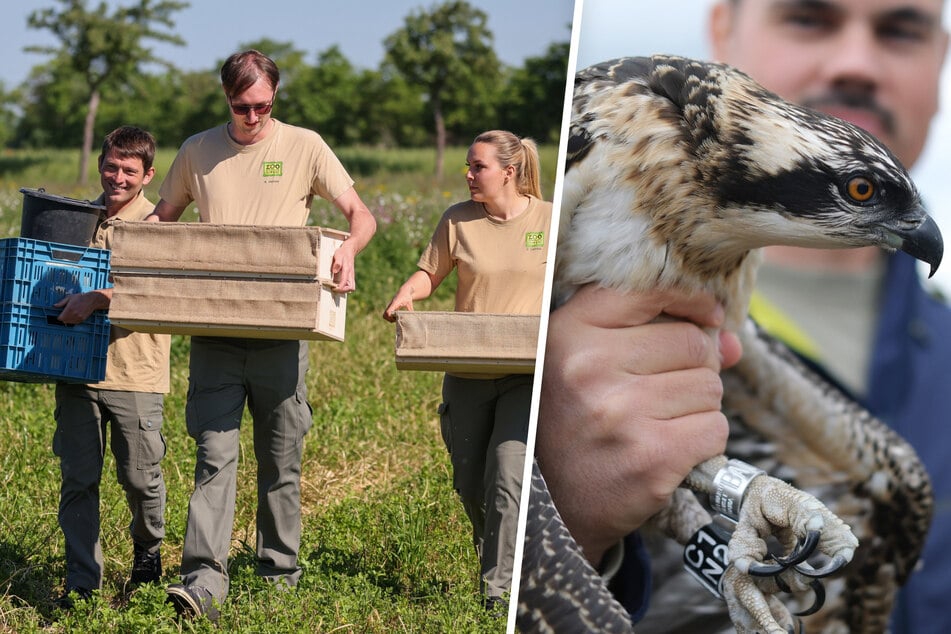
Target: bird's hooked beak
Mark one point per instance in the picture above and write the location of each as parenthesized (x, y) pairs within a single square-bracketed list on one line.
[(922, 242)]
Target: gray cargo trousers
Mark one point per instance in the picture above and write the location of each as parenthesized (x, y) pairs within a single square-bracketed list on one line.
[(484, 423), (268, 375), (82, 415)]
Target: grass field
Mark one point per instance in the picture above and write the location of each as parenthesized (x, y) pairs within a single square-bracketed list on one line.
[(386, 546)]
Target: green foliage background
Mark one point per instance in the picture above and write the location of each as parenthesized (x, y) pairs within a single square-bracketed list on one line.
[(322, 90), (386, 545)]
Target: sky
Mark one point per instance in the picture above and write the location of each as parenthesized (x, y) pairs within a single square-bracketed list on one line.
[(213, 30), (618, 28)]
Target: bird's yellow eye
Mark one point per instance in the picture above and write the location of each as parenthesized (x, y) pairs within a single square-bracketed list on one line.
[(860, 189)]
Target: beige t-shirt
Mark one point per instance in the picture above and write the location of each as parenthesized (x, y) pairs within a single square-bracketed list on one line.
[(500, 263), (272, 182), (136, 361)]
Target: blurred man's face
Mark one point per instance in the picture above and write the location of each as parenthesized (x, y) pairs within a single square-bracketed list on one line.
[(875, 63)]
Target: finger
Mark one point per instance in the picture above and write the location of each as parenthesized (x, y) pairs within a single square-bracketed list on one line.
[(620, 408), (336, 264), (609, 308), (588, 354), (661, 347), (679, 444), (701, 309), (731, 350), (677, 394), (654, 400)]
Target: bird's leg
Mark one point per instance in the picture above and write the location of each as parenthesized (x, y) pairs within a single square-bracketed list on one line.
[(866, 472), (763, 506)]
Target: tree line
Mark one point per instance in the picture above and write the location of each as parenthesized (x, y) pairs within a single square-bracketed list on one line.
[(440, 82)]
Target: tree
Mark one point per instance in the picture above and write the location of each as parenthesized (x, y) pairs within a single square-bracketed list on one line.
[(392, 111), (104, 49), (50, 117), (324, 97), (448, 51), (7, 116), (532, 103)]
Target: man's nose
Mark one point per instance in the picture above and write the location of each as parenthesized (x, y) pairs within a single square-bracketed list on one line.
[(855, 61)]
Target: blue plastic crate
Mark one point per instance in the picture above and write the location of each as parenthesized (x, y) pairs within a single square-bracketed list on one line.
[(36, 348), (42, 273)]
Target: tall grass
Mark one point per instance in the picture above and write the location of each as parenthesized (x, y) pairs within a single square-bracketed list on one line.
[(386, 546)]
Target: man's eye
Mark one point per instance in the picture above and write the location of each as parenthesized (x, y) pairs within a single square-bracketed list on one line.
[(902, 33), (808, 21)]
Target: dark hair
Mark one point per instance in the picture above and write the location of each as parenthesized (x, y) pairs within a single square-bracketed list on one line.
[(129, 141), (522, 153), (241, 70)]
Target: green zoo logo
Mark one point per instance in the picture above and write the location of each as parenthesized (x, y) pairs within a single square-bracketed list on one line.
[(273, 168), (534, 239)]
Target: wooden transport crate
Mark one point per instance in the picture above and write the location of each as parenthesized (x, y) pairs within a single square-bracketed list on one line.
[(227, 280), (466, 342)]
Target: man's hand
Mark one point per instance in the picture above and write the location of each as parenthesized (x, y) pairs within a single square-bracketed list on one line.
[(78, 307), (343, 269), (628, 406)]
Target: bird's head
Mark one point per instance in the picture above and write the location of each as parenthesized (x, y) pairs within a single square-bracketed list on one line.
[(704, 165)]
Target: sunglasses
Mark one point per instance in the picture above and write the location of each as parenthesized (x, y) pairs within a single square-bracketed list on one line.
[(260, 109)]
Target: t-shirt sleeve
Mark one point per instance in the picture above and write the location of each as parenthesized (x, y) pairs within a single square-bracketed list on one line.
[(175, 187), (437, 256), (331, 178)]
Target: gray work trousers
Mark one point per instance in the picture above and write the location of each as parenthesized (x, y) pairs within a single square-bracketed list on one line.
[(484, 423), (82, 414), (268, 375)]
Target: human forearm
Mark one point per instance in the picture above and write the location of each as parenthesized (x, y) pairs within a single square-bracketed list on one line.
[(165, 212), (362, 227), (420, 285)]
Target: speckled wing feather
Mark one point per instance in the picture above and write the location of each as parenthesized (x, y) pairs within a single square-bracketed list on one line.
[(559, 590)]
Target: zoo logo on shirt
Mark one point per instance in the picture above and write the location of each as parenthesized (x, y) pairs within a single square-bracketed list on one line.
[(272, 170), (534, 240)]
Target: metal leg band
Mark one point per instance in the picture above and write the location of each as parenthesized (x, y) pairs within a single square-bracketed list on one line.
[(729, 487)]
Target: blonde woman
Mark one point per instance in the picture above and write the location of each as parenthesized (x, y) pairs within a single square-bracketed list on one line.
[(497, 242)]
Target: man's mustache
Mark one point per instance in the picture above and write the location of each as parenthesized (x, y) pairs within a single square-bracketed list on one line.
[(854, 101)]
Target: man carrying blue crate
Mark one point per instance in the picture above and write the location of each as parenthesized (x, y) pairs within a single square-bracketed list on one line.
[(131, 398)]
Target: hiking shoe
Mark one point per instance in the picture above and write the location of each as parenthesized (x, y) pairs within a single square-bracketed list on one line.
[(67, 602), (146, 566), (192, 601)]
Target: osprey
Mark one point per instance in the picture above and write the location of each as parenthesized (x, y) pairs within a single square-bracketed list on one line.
[(678, 171)]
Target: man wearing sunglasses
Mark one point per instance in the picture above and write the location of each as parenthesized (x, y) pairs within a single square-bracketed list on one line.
[(254, 170)]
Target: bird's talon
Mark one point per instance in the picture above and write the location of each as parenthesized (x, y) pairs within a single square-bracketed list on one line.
[(820, 593), (765, 570), (816, 573), (782, 585), (803, 550)]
